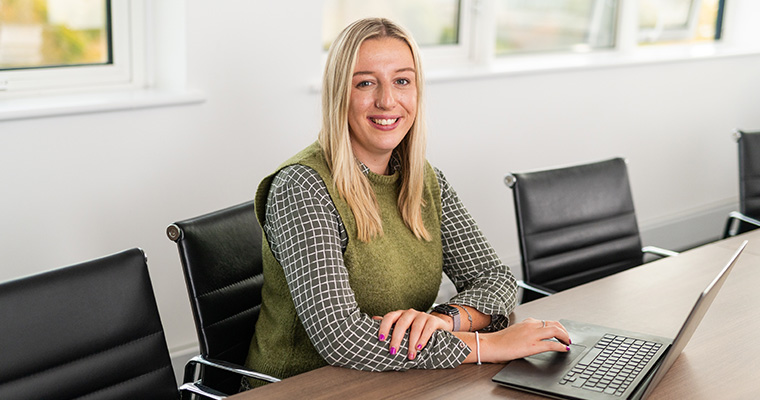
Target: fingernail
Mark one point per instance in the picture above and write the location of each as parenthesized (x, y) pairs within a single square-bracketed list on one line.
[(568, 348), (412, 355), (382, 337), (419, 347), (393, 351), (569, 341)]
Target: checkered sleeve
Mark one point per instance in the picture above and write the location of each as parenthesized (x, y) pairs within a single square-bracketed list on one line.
[(308, 238), (481, 279)]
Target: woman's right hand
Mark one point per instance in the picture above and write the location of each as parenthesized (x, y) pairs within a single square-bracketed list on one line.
[(522, 339), (420, 326)]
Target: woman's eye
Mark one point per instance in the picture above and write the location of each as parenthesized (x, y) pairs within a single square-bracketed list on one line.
[(402, 81), (363, 84)]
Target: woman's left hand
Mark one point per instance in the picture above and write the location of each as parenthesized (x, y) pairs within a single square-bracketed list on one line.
[(420, 325)]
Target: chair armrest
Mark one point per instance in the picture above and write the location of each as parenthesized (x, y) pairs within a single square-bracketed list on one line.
[(536, 288), (732, 229), (659, 251), (201, 390), (231, 367)]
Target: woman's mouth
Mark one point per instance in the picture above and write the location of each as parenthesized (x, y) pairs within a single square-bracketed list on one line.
[(384, 121)]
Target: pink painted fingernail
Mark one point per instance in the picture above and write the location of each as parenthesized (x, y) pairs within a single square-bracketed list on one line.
[(382, 337), (568, 348), (393, 351), (419, 347), (412, 355)]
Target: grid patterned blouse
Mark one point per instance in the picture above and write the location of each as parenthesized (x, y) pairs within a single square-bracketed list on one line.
[(298, 202)]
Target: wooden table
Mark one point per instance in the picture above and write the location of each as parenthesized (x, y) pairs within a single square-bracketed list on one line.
[(722, 360)]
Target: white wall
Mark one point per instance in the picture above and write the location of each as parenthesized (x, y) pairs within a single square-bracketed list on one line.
[(82, 186)]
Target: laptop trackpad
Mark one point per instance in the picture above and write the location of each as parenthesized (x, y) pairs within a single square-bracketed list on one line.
[(540, 370), (553, 360)]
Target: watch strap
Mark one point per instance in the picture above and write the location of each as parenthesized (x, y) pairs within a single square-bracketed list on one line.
[(452, 312), (457, 321)]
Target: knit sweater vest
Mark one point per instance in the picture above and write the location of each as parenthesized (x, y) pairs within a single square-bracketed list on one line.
[(395, 271)]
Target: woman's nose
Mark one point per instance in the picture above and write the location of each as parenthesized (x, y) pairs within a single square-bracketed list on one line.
[(385, 99)]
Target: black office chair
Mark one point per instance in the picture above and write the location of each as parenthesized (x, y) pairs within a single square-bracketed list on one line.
[(575, 224), (748, 218), (88, 330), (221, 261)]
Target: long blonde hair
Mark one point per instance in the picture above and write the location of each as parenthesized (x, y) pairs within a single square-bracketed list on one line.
[(335, 140)]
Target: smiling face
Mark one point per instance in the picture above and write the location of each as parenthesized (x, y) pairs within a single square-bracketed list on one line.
[(383, 102)]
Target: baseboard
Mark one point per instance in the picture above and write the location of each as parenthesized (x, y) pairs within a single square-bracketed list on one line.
[(688, 229)]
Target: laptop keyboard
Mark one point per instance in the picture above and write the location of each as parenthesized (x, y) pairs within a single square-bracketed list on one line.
[(611, 365)]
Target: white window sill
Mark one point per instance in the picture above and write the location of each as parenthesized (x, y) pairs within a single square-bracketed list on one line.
[(550, 63), (533, 63), (27, 107)]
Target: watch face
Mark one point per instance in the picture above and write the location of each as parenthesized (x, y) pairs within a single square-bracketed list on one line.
[(446, 309), (451, 311)]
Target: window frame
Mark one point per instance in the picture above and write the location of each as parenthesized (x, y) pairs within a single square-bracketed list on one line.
[(461, 54), (477, 40), (736, 40), (595, 18), (127, 69), (159, 75), (684, 32), (463, 50)]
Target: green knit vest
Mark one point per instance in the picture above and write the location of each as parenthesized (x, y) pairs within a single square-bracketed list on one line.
[(395, 271)]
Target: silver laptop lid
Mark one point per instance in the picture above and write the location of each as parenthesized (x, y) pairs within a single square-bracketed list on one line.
[(692, 321)]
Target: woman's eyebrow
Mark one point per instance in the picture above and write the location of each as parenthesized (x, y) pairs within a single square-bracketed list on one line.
[(410, 69)]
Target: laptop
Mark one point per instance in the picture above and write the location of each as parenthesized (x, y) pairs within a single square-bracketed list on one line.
[(608, 363)]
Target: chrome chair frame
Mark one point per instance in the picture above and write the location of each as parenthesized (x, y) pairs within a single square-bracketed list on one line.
[(229, 227)]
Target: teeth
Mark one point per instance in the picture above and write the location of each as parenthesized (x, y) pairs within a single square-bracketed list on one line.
[(385, 121)]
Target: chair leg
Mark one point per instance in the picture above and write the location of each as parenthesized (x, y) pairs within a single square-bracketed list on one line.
[(190, 370), (727, 230)]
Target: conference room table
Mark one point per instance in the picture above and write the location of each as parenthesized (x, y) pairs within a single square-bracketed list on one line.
[(722, 360)]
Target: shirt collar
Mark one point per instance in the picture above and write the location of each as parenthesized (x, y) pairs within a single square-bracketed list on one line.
[(394, 164)]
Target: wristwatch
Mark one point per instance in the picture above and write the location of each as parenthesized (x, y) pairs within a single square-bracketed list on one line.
[(451, 311)]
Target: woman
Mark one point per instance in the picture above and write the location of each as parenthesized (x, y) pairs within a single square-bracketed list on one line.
[(359, 227)]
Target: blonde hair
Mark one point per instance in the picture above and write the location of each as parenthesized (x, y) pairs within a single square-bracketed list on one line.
[(335, 140)]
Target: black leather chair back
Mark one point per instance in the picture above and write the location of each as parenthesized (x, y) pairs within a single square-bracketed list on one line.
[(90, 329), (221, 260), (749, 177), (575, 224)]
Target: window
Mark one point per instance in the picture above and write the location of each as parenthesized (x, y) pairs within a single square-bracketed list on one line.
[(482, 30), (49, 45), (442, 28), (554, 25), (665, 21), (54, 33), (431, 22), (136, 58)]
